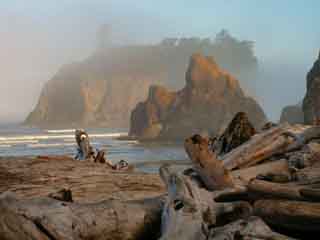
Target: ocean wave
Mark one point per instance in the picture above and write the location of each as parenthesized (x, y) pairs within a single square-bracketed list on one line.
[(5, 146), (61, 136), (48, 145), (15, 142), (61, 131)]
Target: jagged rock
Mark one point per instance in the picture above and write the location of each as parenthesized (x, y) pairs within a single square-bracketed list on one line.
[(292, 114), (311, 101), (207, 103), (238, 132)]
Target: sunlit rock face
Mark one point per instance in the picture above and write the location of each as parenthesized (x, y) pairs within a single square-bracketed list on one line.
[(78, 96), (311, 102), (292, 114), (208, 102)]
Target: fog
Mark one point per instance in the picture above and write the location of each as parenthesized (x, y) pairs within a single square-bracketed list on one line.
[(38, 38)]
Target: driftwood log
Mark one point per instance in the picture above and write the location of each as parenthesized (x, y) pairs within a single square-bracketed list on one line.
[(252, 228), (206, 164), (292, 215), (190, 211), (48, 219), (263, 146)]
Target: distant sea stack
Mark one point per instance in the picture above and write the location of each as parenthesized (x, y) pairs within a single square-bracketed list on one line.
[(311, 101), (77, 96), (292, 114), (103, 89), (210, 99)]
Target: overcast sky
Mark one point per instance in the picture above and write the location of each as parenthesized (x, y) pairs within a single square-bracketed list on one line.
[(38, 36)]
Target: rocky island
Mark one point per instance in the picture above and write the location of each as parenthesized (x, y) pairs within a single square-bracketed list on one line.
[(103, 89), (208, 101)]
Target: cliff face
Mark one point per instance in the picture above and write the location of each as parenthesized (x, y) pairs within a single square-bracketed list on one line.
[(78, 96), (311, 101), (209, 100)]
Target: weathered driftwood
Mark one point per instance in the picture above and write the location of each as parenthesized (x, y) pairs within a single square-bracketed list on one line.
[(206, 164), (292, 215), (47, 219), (263, 189), (307, 156), (277, 140), (279, 167), (302, 138), (258, 148), (307, 176), (252, 228), (310, 194), (85, 150), (88, 181), (190, 211)]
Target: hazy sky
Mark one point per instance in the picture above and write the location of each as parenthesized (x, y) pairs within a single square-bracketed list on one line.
[(38, 36)]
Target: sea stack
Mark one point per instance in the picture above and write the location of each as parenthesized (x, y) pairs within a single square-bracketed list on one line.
[(209, 100)]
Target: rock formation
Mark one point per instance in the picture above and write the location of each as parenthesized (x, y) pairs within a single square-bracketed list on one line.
[(103, 89), (207, 103), (292, 114), (80, 95), (311, 102)]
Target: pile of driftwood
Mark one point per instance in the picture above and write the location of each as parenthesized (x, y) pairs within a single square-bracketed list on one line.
[(242, 185)]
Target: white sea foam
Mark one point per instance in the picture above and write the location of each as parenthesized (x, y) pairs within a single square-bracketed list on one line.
[(61, 131), (15, 142), (5, 145), (58, 136), (48, 145)]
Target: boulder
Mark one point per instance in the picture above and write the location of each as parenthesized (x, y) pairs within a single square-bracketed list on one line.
[(209, 100), (311, 101)]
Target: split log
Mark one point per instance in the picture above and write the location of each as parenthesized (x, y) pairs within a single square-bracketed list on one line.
[(290, 215), (206, 164), (252, 228), (190, 211), (47, 219)]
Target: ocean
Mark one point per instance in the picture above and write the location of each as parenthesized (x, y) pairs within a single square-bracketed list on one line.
[(17, 140)]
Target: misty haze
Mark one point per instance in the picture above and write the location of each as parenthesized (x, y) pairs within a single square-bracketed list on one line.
[(105, 102)]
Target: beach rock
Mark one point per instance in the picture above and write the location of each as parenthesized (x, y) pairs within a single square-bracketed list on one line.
[(311, 101), (292, 114), (209, 101)]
